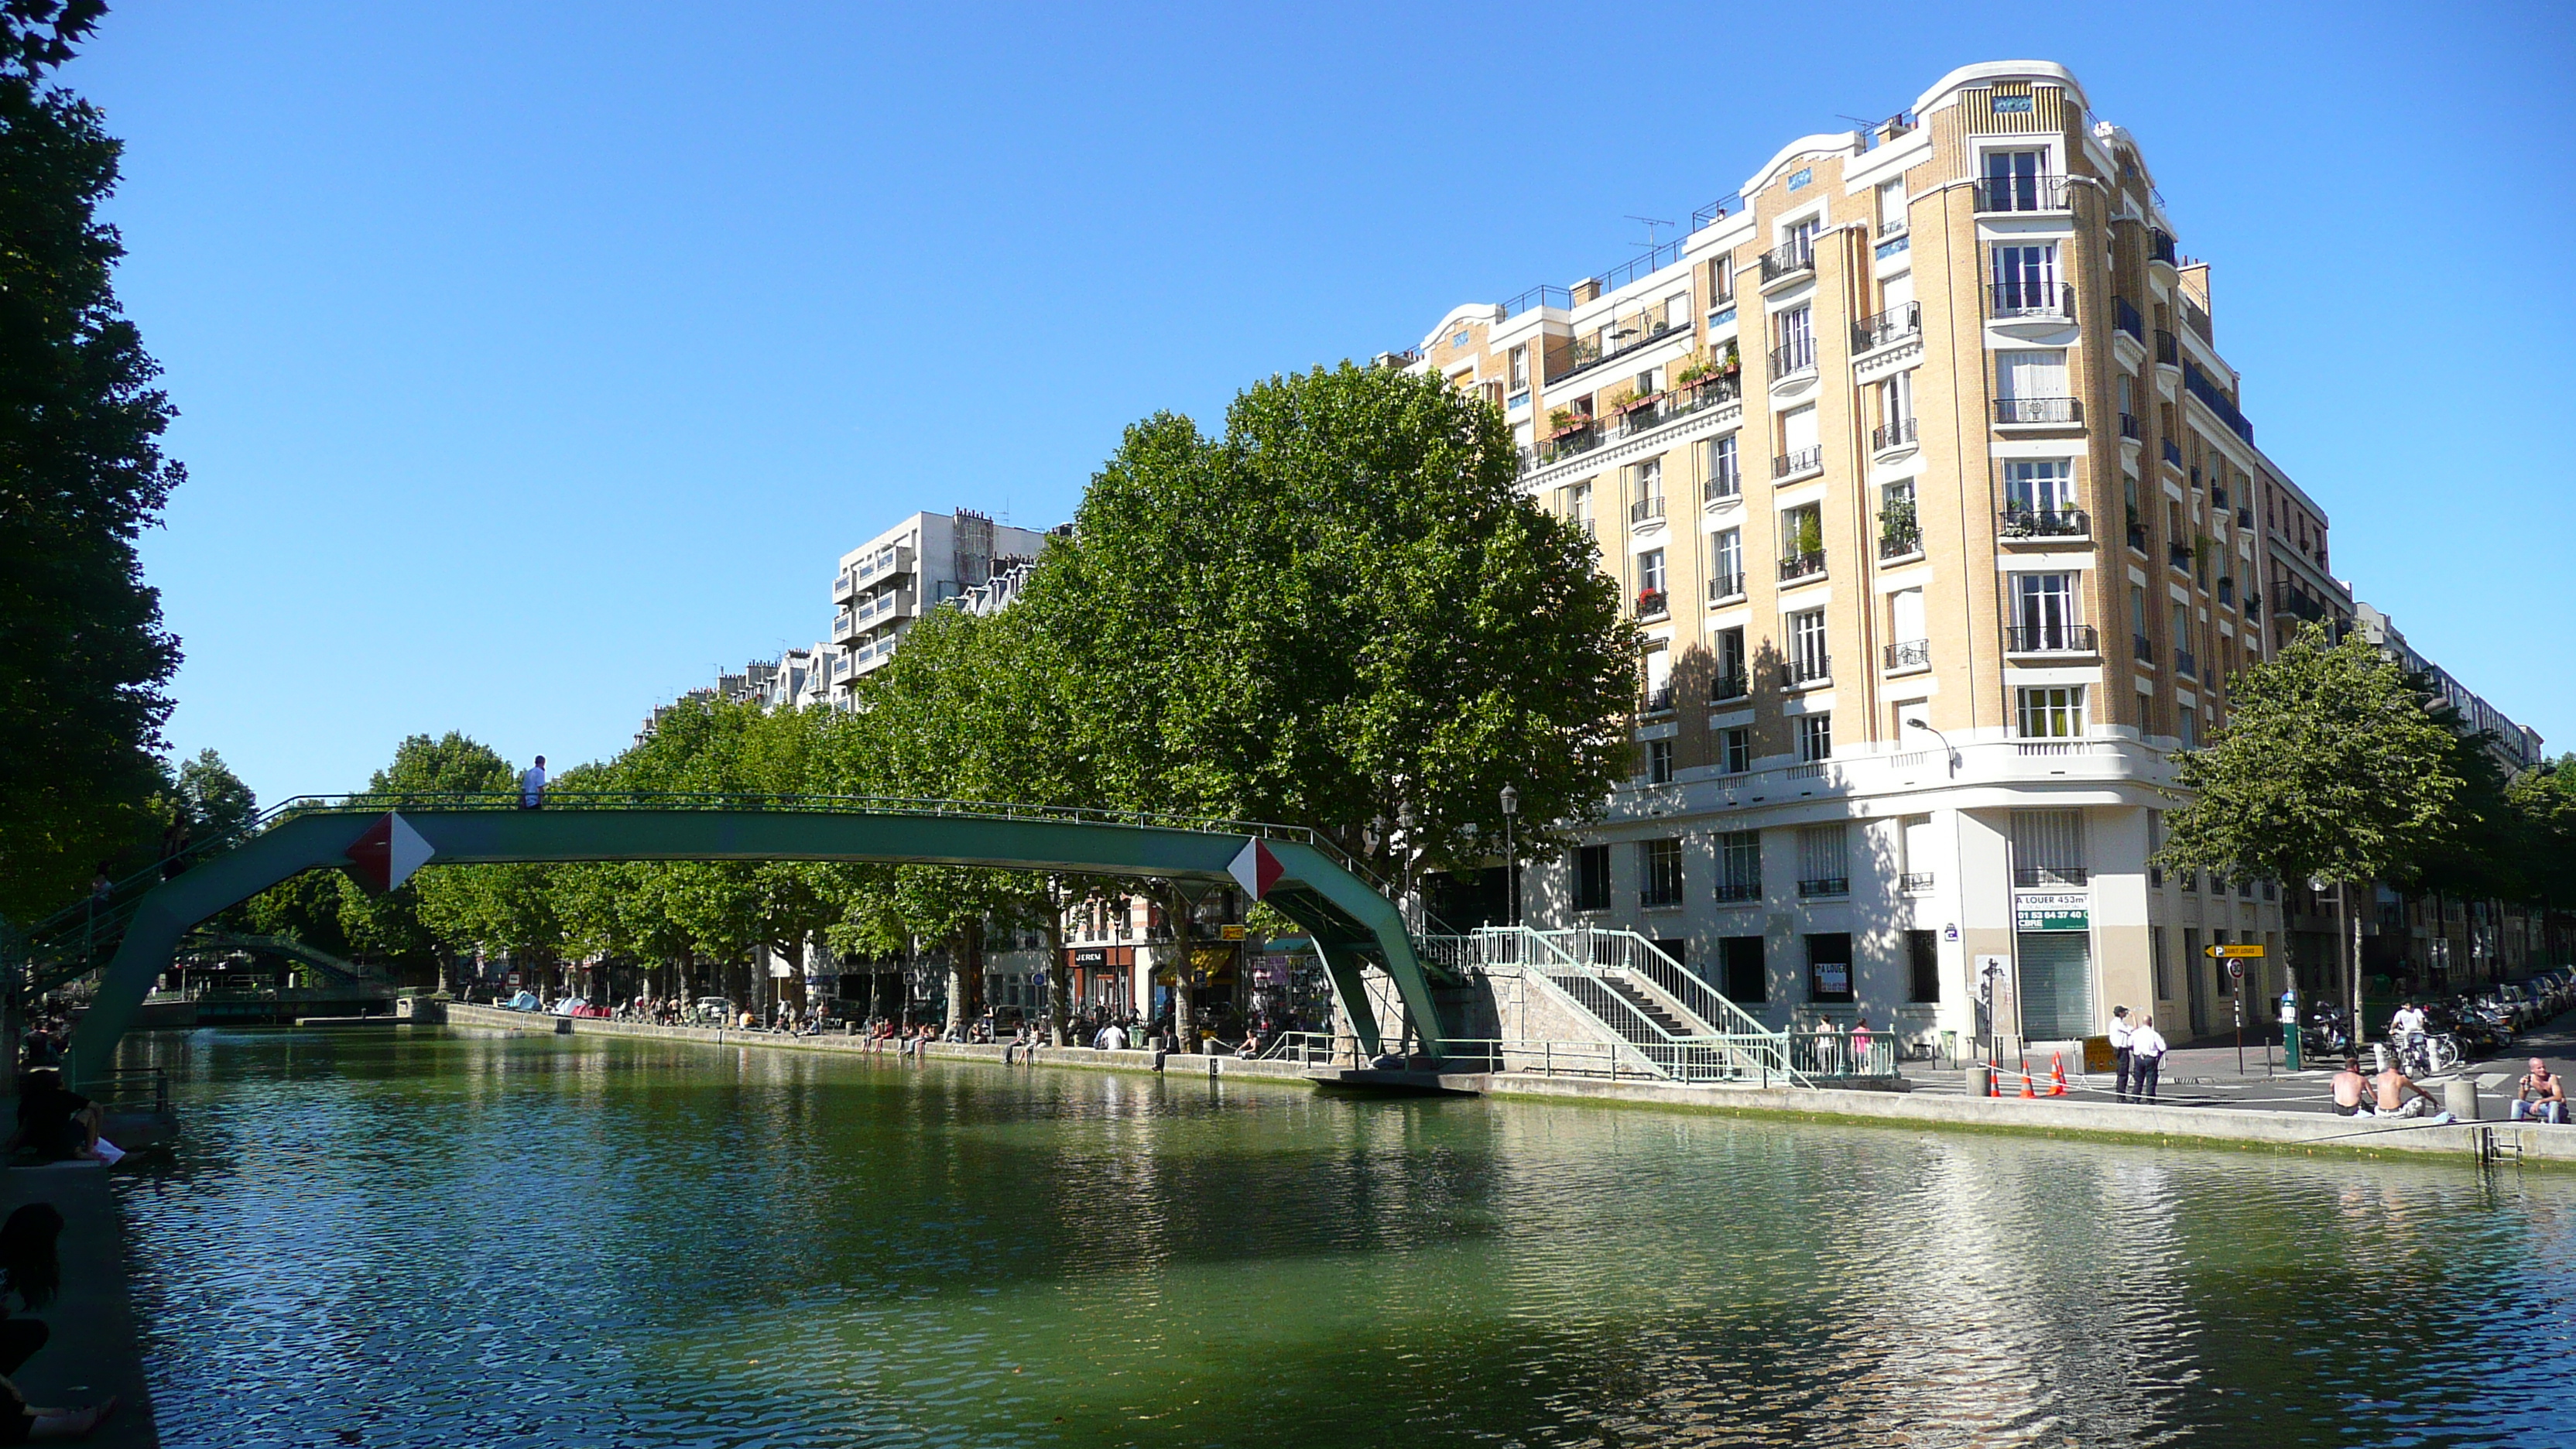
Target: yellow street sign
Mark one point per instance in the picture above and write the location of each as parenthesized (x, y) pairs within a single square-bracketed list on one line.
[(1232, 933), (2221, 953)]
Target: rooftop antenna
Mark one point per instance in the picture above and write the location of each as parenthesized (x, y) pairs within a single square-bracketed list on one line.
[(1650, 223)]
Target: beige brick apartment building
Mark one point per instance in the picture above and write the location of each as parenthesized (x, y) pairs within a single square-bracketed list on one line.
[(1931, 490)]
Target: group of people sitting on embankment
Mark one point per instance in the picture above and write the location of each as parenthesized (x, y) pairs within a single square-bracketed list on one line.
[(56, 1127)]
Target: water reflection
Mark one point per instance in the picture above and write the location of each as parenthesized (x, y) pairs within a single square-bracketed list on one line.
[(436, 1239)]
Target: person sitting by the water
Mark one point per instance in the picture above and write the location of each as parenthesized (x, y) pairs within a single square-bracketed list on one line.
[(1250, 1046), (2542, 1096), (2351, 1090), (29, 1275), (55, 1123), (1112, 1038), (2399, 1096)]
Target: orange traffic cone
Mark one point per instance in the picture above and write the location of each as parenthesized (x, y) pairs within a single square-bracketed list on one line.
[(1993, 1089), (2025, 1082), (2057, 1074)]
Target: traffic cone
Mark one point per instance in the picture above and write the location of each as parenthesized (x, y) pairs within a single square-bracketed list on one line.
[(2025, 1082), (1992, 1089), (2057, 1074)]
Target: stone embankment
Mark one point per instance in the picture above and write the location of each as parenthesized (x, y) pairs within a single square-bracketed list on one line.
[(2180, 1126)]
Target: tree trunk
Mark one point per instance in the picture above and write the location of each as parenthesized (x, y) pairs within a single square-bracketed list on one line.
[(1177, 910), (1059, 977)]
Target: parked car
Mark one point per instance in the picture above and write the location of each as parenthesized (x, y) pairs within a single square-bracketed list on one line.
[(716, 1011)]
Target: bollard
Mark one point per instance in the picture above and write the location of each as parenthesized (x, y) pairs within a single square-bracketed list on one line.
[(2460, 1098), (1981, 1080)]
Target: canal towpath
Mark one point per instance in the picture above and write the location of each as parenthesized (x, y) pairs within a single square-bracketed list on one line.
[(96, 1347), (2291, 1118)]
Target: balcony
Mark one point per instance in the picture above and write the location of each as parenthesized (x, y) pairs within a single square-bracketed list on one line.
[(1899, 543), (843, 586), (1729, 685), (844, 626), (1577, 435), (2245, 517), (1798, 464), (2124, 315), (2143, 647), (1674, 404), (1649, 509), (2138, 537), (1793, 357), (1789, 259), (1800, 673), (1825, 885), (2215, 398), (2179, 556), (1653, 603), (2185, 665), (1915, 883), (2051, 875), (1622, 337), (2051, 639), (1739, 890), (1802, 566), (2014, 301), (1889, 327), (1888, 437), (2047, 523), (2173, 452), (2022, 193), (1912, 654), (2057, 411), (2129, 428), (1724, 587), (885, 563), (1723, 486), (2160, 247), (2168, 351), (1658, 700)]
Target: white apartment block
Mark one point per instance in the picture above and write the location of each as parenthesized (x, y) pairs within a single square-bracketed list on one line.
[(1932, 493), (892, 580)]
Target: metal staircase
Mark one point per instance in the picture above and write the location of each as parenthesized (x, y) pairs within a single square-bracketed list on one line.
[(1673, 1024)]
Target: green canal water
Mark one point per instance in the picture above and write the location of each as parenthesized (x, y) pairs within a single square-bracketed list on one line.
[(439, 1238)]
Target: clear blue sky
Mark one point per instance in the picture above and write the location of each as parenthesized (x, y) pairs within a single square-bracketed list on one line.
[(535, 359)]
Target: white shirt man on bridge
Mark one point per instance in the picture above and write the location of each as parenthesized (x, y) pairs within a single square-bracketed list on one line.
[(532, 785)]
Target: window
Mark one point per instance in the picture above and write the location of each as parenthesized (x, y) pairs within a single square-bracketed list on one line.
[(1801, 236), (1660, 867), (1659, 762), (2025, 280), (2051, 712), (1650, 478), (1728, 647), (1650, 572), (1724, 481), (1726, 563), (1823, 863), (1578, 505), (1677, 310), (1592, 878), (1896, 408), (1721, 281), (1891, 207), (1737, 747), (1520, 368), (1808, 661), (1659, 678), (2013, 177), (2182, 641), (2163, 967), (1798, 436), (2048, 847), (1907, 628), (2034, 374), (1739, 865), (1746, 979), (1816, 736), (2046, 486), (1923, 962), (2043, 608), (1829, 973), (1793, 341)]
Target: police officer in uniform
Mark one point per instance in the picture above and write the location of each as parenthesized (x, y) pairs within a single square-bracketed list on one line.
[(2122, 1035)]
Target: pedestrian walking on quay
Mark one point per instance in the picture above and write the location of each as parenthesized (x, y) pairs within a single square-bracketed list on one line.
[(2121, 1035), (532, 785), (2146, 1056)]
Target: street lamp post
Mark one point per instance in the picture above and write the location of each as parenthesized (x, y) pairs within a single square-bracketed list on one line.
[(1511, 861)]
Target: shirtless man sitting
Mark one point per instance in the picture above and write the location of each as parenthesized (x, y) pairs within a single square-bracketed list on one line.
[(2543, 1095), (2351, 1089), (2400, 1097)]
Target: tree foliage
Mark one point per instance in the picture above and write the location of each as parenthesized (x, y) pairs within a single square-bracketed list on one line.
[(84, 659), (2328, 767)]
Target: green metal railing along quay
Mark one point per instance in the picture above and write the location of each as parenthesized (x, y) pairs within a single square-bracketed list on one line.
[(131, 935)]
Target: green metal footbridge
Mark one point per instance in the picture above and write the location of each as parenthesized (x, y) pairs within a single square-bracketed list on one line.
[(130, 935)]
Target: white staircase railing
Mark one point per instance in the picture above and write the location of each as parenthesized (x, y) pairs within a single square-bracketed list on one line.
[(1720, 1041)]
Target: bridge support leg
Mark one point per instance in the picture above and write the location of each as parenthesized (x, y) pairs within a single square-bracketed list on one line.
[(1343, 965)]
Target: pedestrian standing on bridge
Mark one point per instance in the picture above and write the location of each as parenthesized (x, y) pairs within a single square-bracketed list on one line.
[(532, 785), (2146, 1056), (2121, 1034)]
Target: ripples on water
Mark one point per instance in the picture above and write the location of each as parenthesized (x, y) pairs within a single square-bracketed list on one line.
[(451, 1240)]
